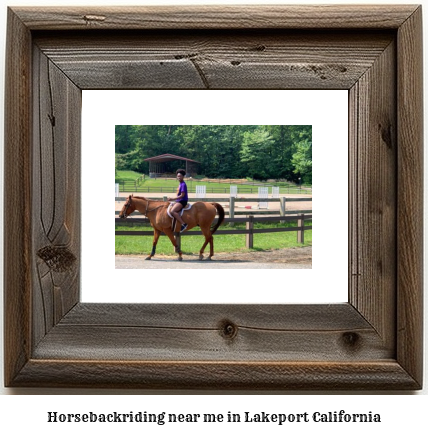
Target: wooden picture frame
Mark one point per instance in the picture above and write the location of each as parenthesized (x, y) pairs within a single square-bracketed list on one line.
[(372, 342)]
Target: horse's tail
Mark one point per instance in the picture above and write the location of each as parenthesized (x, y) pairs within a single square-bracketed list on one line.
[(220, 211)]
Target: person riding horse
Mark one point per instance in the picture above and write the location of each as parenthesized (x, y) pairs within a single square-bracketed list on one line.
[(181, 199)]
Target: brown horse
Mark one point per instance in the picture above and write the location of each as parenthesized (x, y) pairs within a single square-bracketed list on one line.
[(201, 214)]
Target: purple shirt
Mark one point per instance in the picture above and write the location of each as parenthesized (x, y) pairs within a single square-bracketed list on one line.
[(182, 189)]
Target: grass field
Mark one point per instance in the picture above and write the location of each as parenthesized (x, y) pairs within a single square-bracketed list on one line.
[(135, 245), (127, 175), (131, 181)]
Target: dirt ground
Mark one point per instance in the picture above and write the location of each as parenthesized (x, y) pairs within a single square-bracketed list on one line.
[(294, 258), (297, 255)]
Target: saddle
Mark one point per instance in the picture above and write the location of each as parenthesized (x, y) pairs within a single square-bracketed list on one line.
[(174, 220)]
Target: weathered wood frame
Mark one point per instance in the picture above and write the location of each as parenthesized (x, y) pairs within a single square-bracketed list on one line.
[(372, 342)]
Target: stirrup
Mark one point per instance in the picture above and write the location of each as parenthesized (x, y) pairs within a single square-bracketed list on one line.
[(183, 228)]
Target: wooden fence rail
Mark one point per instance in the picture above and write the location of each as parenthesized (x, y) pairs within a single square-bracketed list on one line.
[(232, 211), (249, 230)]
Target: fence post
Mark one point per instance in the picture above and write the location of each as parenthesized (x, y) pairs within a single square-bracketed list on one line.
[(282, 207), (165, 198), (231, 209), (301, 229), (249, 225)]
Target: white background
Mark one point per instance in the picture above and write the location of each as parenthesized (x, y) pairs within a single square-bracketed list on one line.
[(399, 412), (326, 111)]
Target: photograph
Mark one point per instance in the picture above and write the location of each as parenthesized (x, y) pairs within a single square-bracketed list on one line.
[(242, 192)]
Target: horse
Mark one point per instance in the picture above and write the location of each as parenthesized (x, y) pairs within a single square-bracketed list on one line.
[(201, 214)]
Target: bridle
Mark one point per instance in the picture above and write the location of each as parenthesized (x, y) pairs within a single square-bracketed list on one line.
[(127, 205)]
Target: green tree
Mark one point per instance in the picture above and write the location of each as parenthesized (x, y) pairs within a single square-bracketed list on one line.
[(286, 138), (302, 161), (226, 151), (123, 139), (256, 153)]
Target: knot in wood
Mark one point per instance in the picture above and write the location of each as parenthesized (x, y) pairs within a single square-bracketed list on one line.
[(386, 134), (59, 259), (228, 330), (351, 340)]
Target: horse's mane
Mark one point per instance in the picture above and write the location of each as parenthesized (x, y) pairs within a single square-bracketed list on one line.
[(146, 198)]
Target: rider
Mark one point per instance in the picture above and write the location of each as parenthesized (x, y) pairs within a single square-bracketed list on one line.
[(181, 199)]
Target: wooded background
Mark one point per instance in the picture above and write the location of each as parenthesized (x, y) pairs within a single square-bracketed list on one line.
[(223, 151)]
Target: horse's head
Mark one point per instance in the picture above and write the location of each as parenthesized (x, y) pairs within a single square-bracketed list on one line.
[(128, 208)]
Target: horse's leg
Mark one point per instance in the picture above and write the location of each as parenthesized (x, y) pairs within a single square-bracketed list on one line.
[(208, 237), (211, 247), (170, 235), (155, 241)]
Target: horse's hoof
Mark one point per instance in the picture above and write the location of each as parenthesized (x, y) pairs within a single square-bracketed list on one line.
[(148, 258), (208, 259), (201, 257), (180, 258)]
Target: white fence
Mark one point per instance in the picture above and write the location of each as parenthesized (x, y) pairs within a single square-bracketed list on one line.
[(201, 191), (263, 194), (275, 192)]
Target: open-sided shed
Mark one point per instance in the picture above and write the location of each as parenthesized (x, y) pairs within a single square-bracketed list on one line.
[(157, 165)]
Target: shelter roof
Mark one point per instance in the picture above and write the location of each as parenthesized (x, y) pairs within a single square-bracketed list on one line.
[(168, 157)]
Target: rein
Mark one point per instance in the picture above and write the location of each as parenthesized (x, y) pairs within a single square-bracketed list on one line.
[(150, 210)]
